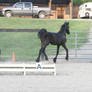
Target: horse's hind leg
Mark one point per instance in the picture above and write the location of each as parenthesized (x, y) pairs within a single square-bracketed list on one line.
[(58, 46), (66, 49), (46, 57), (43, 55), (42, 50)]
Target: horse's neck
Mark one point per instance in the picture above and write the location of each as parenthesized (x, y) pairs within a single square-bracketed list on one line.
[(62, 31)]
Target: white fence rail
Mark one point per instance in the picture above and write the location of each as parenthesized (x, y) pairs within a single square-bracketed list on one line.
[(32, 68)]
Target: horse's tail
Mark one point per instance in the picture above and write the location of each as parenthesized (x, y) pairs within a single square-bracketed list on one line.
[(42, 33)]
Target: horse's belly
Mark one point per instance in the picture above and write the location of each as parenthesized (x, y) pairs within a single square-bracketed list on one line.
[(53, 43), (58, 42)]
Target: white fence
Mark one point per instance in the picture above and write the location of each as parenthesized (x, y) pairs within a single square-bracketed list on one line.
[(31, 68)]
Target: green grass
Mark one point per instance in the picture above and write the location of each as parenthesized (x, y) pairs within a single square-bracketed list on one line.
[(26, 45)]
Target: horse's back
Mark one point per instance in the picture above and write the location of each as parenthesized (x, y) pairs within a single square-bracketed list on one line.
[(56, 39)]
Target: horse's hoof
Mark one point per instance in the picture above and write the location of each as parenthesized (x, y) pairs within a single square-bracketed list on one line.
[(54, 60), (66, 58), (37, 60), (47, 59)]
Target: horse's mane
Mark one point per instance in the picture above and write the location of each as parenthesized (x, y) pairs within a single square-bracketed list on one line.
[(62, 28)]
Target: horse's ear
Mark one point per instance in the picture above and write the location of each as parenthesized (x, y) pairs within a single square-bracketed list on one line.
[(67, 23)]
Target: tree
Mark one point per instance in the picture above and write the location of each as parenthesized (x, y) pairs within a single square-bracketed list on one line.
[(84, 1), (79, 2)]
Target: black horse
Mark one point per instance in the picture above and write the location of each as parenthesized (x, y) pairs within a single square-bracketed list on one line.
[(58, 39)]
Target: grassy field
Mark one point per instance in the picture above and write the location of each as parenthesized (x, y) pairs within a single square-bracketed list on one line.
[(26, 45)]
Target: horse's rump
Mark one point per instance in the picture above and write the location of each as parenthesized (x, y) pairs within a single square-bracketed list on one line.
[(42, 33)]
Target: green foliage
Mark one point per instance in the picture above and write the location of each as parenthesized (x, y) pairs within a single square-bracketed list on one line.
[(79, 2)]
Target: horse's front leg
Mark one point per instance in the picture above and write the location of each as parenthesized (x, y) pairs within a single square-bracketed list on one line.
[(58, 46), (66, 49)]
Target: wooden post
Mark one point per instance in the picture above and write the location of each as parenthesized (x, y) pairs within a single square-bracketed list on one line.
[(50, 3), (71, 8), (49, 6)]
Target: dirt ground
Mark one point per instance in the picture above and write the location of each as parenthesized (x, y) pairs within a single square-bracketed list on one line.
[(71, 77)]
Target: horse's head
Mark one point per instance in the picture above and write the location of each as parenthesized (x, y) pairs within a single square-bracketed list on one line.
[(65, 27)]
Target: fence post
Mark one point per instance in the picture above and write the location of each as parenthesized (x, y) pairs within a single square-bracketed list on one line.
[(24, 69), (76, 37)]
